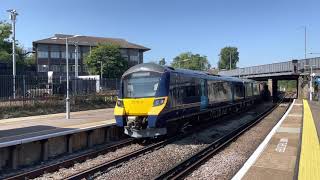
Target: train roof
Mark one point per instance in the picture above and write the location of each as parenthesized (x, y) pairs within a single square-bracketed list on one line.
[(161, 69)]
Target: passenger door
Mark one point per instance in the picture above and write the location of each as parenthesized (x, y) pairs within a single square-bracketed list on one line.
[(203, 94)]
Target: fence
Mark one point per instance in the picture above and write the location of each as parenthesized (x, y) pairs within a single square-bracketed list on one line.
[(39, 88)]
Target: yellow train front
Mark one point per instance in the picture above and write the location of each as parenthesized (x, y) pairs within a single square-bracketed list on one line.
[(142, 96)]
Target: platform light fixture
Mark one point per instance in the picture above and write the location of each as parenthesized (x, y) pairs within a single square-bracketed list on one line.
[(67, 69), (13, 17)]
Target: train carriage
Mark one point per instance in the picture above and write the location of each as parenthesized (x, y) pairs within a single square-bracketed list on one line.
[(153, 98)]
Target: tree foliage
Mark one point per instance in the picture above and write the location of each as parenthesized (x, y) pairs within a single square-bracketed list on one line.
[(6, 49), (225, 54), (162, 62), (113, 64), (191, 61), (5, 44)]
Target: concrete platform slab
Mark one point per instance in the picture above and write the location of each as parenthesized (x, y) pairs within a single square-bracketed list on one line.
[(13, 130), (258, 173)]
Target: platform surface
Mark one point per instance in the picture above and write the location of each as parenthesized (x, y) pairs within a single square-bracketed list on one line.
[(293, 152), (15, 129), (279, 158)]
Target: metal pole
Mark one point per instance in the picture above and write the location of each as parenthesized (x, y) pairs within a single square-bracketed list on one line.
[(24, 86), (100, 75), (13, 15), (76, 70), (305, 42), (230, 61), (101, 69), (67, 66), (310, 95)]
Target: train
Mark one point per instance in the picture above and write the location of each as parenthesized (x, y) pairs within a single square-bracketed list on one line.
[(154, 99)]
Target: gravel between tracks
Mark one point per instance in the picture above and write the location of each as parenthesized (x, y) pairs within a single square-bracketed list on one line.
[(149, 165), (64, 172), (226, 163), (157, 162)]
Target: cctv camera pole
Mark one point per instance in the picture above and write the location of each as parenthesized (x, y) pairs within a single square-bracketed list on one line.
[(13, 15)]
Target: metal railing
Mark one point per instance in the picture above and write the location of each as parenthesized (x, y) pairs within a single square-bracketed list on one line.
[(282, 67)]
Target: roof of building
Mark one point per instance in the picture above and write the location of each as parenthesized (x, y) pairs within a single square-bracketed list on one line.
[(90, 41)]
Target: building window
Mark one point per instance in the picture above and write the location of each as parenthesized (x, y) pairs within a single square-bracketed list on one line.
[(134, 52), (55, 54), (42, 54), (134, 58), (55, 68), (74, 55), (63, 68), (63, 55), (43, 68), (73, 68), (85, 69)]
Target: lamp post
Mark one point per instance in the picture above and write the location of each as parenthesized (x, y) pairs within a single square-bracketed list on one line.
[(101, 67), (305, 42), (13, 17), (230, 60), (311, 75), (67, 67), (76, 61), (76, 57)]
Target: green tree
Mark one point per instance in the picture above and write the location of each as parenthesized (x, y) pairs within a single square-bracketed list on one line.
[(225, 54), (6, 47), (162, 62), (191, 61), (113, 64), (5, 44)]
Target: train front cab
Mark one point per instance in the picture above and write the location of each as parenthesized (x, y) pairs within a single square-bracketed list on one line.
[(142, 97)]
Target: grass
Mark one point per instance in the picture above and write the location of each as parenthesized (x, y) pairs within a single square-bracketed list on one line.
[(79, 103)]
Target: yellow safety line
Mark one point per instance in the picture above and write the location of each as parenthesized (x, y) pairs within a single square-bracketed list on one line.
[(309, 164)]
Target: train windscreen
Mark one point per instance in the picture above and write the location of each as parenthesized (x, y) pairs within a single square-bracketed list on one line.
[(141, 84)]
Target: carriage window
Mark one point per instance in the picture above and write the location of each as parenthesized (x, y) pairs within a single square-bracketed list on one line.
[(238, 89), (141, 84)]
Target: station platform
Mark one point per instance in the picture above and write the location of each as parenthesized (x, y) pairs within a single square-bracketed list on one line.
[(291, 150), (28, 129)]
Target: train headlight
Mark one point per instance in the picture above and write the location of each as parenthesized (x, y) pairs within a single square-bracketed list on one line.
[(158, 102), (119, 103)]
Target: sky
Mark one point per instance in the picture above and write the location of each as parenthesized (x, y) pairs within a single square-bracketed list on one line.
[(264, 31)]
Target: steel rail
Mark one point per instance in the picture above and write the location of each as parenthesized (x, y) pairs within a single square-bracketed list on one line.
[(122, 159), (183, 168), (70, 162)]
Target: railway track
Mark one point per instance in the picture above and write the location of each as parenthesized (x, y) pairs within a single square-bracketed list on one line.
[(187, 166), (70, 162)]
